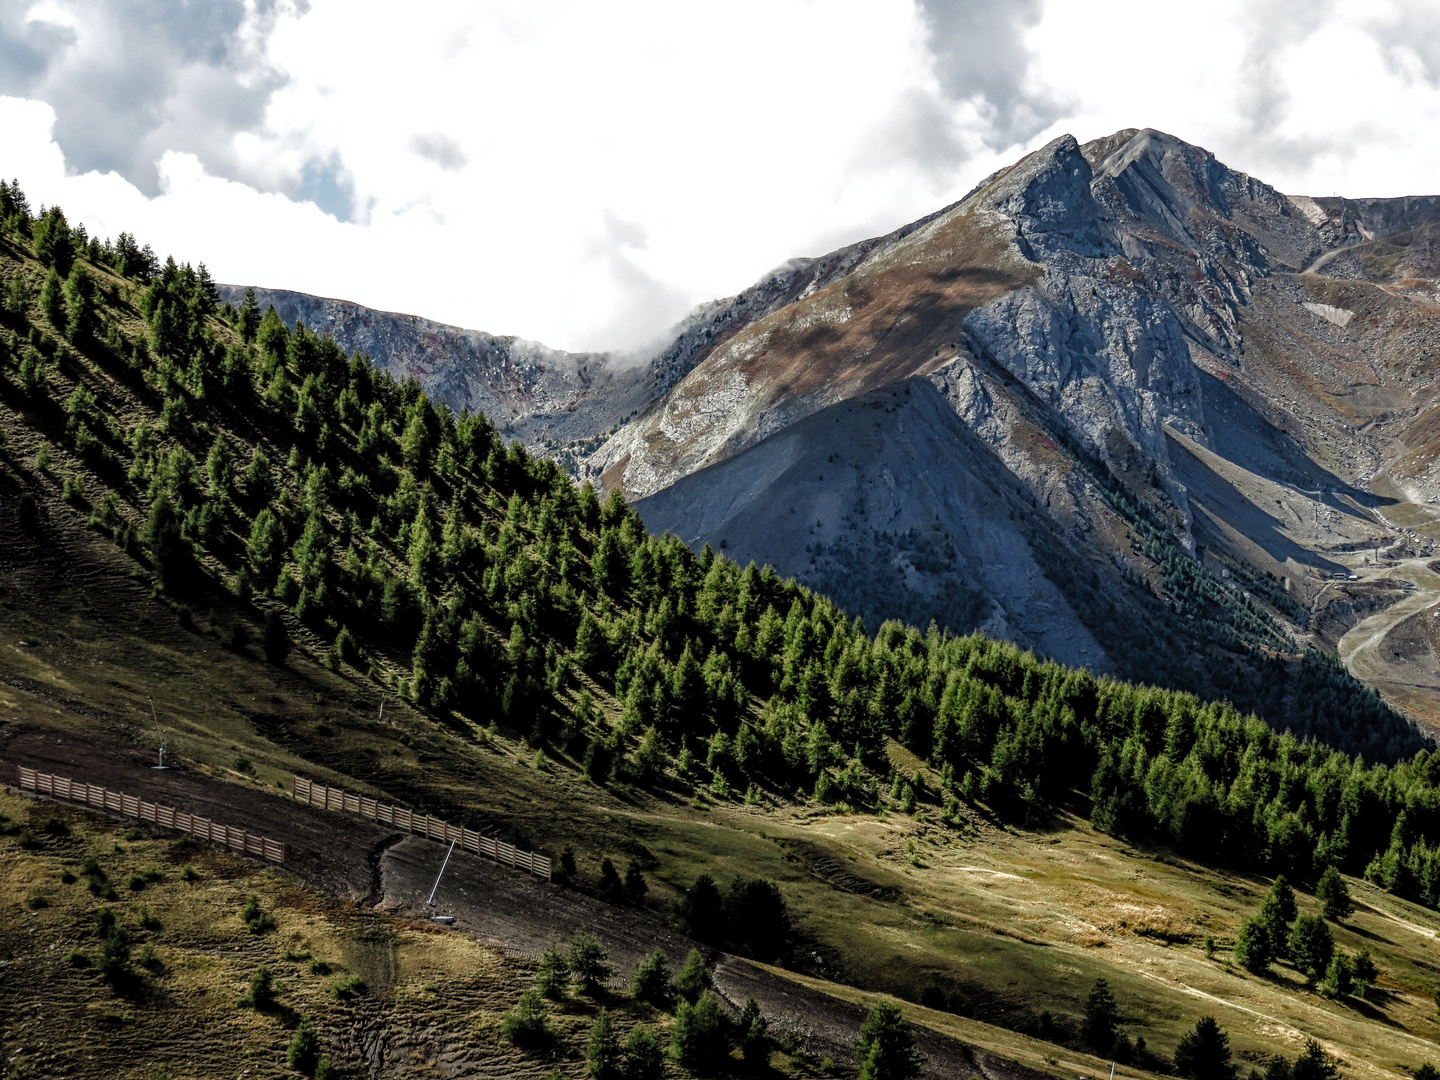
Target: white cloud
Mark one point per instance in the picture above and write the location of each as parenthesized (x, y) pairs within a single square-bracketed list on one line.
[(581, 173)]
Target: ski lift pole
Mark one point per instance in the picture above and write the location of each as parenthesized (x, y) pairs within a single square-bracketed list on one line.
[(431, 901)]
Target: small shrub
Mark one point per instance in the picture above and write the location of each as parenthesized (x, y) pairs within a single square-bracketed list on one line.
[(261, 994), (148, 921), (527, 1025), (135, 882), (67, 877), (37, 900), (189, 873), (303, 1053), (26, 841), (150, 959), (296, 955), (77, 958), (55, 826), (319, 967), (552, 977), (256, 918), (348, 988), (325, 1070)]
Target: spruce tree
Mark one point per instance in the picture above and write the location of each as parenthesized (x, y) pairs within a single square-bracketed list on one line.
[(602, 1048), (1311, 946), (651, 980), (588, 962), (1334, 896), (52, 300), (885, 1047), (644, 1054), (1203, 1052), (1101, 1016), (694, 979)]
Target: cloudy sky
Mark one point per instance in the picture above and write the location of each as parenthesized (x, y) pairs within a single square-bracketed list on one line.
[(583, 173)]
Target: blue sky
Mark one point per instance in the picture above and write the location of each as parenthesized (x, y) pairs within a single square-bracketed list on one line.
[(583, 173)]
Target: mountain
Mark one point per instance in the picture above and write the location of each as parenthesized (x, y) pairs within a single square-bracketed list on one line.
[(1116, 383), (224, 535), (984, 411)]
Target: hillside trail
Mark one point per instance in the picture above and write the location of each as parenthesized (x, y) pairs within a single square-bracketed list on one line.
[(1371, 650), (1360, 648)]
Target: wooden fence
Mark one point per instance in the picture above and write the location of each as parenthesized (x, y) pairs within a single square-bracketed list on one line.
[(335, 799), (167, 816)]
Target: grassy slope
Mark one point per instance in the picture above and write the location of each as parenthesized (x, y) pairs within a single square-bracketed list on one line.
[(431, 995)]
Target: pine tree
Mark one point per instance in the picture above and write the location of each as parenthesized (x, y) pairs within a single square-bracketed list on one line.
[(1203, 1052), (885, 1048), (1334, 896), (1339, 980), (79, 318), (303, 1054), (588, 962), (1101, 1016), (552, 977), (694, 979), (1253, 947), (1311, 946), (275, 638), (528, 1024), (1278, 912), (651, 980), (1314, 1064), (754, 1035), (52, 300), (644, 1054), (700, 1034), (703, 911), (602, 1048)]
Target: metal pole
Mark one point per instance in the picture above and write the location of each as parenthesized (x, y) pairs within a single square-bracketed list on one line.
[(438, 876)]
